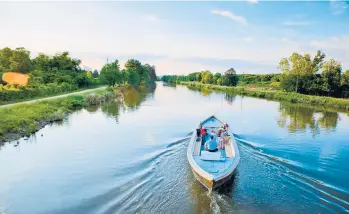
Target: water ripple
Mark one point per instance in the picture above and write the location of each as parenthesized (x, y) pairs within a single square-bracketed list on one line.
[(335, 198)]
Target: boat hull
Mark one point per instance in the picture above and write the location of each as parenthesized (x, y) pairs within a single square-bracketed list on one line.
[(212, 184)]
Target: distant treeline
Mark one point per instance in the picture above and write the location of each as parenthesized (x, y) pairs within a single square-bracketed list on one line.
[(229, 78), (61, 73), (299, 73), (242, 79)]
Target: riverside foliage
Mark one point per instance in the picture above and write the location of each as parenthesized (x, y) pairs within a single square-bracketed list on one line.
[(25, 119), (299, 74), (50, 75), (335, 103)]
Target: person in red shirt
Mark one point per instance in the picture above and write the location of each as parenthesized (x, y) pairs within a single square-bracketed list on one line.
[(203, 134), (203, 131)]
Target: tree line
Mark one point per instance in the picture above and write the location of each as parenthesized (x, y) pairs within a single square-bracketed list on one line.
[(299, 73), (62, 73), (45, 69), (313, 75), (229, 78)]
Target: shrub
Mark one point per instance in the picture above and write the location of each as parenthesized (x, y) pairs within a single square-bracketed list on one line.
[(94, 99), (108, 95), (275, 85)]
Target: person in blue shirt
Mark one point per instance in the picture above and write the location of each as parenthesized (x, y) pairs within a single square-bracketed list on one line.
[(211, 145)]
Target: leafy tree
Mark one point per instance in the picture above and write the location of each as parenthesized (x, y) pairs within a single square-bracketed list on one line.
[(142, 71), (42, 62), (81, 80), (331, 74), (95, 74), (198, 77), (20, 61), (89, 74), (345, 78), (230, 78), (63, 61), (5, 59), (151, 70), (192, 76), (206, 77), (345, 84), (134, 78), (219, 81), (111, 74), (298, 70), (133, 65), (145, 75), (215, 78)]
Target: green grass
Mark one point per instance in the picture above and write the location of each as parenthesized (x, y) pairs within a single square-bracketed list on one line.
[(25, 118), (46, 95), (330, 102)]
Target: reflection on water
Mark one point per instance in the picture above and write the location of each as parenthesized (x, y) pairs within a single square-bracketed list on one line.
[(204, 91), (299, 118), (134, 97), (92, 108), (229, 98), (292, 158), (112, 109)]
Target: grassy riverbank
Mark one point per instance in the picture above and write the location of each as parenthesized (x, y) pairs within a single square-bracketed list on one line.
[(26, 97), (335, 103), (23, 119)]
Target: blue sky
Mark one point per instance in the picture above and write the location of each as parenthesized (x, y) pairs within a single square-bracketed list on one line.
[(180, 37)]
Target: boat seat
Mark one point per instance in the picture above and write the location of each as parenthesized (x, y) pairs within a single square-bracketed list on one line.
[(206, 155), (212, 170)]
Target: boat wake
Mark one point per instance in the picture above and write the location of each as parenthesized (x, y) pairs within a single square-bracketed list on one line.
[(293, 173), (131, 188)]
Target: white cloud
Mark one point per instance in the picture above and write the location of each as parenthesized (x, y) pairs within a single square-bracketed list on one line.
[(338, 7), (230, 15), (334, 47), (297, 23), (332, 43), (253, 1), (151, 18), (286, 40), (248, 39)]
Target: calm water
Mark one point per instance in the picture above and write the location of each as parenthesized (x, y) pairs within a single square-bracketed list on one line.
[(132, 158)]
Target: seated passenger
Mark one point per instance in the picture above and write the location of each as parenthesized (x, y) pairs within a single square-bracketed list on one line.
[(211, 145)]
